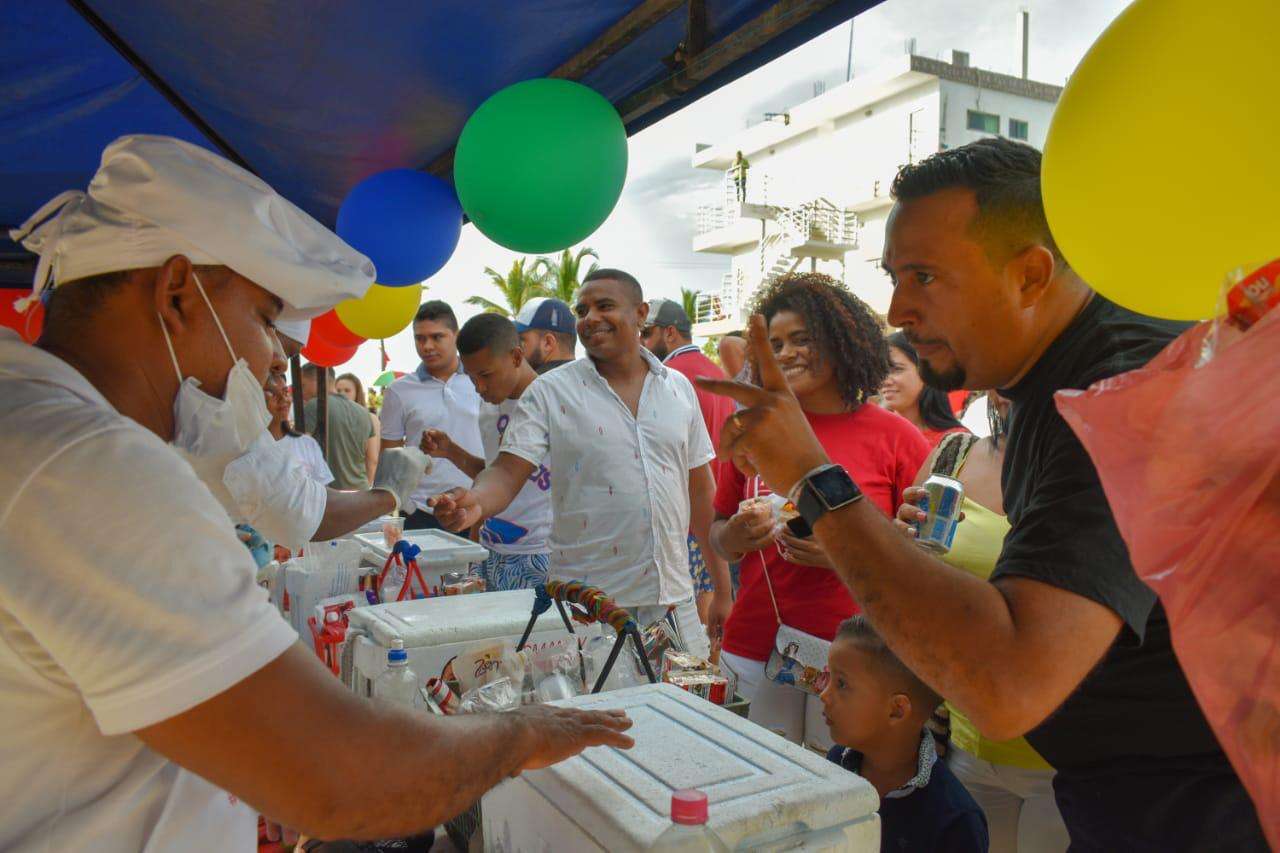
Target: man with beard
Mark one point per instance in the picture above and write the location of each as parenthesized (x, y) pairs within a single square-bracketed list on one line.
[(546, 330), (1064, 644), (631, 460)]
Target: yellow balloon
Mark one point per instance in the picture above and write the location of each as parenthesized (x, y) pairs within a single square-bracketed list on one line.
[(1162, 165), (382, 311)]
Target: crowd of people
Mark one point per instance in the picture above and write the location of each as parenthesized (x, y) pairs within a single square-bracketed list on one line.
[(1018, 693)]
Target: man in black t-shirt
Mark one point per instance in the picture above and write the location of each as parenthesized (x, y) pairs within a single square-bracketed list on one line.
[(1064, 644)]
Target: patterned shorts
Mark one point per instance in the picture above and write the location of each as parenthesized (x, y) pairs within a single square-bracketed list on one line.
[(698, 568), (514, 571)]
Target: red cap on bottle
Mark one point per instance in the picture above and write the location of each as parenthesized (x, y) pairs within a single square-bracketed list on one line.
[(689, 807)]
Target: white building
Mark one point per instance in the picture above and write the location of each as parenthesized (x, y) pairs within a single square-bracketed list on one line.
[(817, 190)]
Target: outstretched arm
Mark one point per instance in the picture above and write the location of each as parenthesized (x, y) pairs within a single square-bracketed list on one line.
[(345, 511), (1006, 653), (493, 491), (271, 740)]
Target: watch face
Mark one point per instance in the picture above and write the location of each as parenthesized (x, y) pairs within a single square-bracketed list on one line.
[(834, 486)]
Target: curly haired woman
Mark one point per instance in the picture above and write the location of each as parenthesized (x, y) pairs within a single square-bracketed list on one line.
[(833, 352)]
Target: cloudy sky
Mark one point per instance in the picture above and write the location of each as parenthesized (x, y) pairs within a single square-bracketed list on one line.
[(650, 231)]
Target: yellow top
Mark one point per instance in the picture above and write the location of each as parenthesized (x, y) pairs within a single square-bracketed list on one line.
[(975, 549)]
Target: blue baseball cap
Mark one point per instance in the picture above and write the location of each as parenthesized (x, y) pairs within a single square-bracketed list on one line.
[(547, 314)]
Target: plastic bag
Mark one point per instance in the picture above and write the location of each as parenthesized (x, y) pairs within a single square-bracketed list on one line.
[(1188, 451), (497, 695)]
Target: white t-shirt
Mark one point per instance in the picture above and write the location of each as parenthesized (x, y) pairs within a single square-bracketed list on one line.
[(307, 451), (525, 525), (125, 599), (620, 495), (417, 402)]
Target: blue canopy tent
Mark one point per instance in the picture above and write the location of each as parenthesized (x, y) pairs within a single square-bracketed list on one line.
[(313, 97)]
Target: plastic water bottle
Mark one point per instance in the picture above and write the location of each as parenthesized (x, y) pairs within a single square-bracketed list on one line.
[(689, 832), (399, 683)]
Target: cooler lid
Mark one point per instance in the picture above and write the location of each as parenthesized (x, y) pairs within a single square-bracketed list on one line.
[(440, 549), (453, 618), (757, 784)]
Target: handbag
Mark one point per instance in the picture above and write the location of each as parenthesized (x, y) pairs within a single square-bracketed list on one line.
[(797, 659)]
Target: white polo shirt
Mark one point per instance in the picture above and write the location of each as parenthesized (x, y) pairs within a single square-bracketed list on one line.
[(619, 484), (417, 402), (125, 599)]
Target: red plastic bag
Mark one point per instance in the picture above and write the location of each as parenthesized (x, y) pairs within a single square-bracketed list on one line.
[(1188, 450)]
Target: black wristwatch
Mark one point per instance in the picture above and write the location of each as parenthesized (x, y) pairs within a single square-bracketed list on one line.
[(825, 488)]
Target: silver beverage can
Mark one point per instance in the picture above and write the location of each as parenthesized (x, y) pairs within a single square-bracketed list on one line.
[(941, 502)]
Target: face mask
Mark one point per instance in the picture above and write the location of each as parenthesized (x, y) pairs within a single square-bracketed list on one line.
[(213, 430)]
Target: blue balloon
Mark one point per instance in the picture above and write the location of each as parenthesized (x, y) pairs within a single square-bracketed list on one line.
[(407, 222)]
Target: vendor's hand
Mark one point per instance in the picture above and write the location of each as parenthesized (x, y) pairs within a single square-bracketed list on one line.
[(717, 614), (399, 471), (749, 529), (436, 443), (771, 437), (803, 552), (456, 509), (560, 733)]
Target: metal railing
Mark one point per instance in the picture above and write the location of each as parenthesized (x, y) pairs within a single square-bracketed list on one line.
[(724, 304), (725, 212), (832, 224)]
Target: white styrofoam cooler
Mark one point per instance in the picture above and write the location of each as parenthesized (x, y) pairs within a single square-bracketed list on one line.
[(441, 552), (764, 793), (437, 629)]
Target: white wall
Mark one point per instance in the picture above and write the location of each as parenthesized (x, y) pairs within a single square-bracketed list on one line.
[(959, 98), (862, 267), (842, 159)]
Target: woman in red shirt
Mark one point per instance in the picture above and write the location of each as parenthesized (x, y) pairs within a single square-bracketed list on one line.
[(834, 355), (904, 392)]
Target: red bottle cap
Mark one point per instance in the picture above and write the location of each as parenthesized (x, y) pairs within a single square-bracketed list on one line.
[(689, 807)]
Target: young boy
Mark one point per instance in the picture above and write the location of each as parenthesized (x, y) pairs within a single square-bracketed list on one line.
[(876, 709)]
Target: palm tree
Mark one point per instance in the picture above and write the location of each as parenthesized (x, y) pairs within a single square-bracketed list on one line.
[(517, 287), (563, 279), (690, 300)]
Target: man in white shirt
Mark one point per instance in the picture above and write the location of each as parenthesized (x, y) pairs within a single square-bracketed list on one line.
[(517, 537), (147, 687), (629, 452), (438, 395)]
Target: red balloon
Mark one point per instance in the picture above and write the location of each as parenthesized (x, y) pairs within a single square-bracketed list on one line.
[(27, 324), (326, 354), (328, 328)]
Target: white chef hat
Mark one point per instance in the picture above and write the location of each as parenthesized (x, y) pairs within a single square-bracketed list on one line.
[(154, 197)]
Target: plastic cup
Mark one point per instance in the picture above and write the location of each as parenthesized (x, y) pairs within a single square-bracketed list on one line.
[(392, 530)]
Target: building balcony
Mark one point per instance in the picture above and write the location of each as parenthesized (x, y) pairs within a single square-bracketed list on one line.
[(721, 311)]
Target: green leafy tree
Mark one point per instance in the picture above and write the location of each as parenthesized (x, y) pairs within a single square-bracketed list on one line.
[(517, 287), (689, 298), (564, 274), (711, 349)]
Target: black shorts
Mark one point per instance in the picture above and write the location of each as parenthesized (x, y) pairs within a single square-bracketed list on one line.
[(1188, 803)]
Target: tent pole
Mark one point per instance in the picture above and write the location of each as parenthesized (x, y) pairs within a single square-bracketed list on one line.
[(148, 74)]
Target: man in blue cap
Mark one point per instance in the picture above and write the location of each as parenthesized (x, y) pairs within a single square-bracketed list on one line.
[(548, 333)]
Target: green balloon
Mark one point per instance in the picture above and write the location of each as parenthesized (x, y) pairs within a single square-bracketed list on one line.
[(540, 165)]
